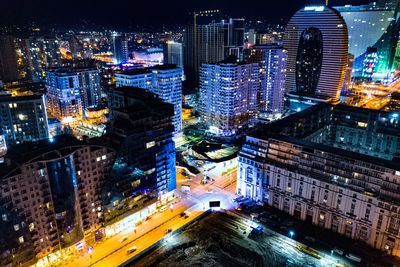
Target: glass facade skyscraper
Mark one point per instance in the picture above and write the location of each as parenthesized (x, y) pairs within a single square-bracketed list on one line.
[(375, 26), (120, 48)]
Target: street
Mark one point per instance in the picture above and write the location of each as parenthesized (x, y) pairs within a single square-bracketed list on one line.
[(145, 234)]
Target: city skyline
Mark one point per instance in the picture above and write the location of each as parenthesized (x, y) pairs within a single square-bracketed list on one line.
[(223, 133), (140, 14)]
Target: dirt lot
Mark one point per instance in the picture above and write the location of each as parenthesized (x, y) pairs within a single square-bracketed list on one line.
[(224, 240)]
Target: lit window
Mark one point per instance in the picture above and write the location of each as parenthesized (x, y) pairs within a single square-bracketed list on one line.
[(16, 227), (21, 239)]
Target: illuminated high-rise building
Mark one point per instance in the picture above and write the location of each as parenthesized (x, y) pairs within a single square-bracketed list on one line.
[(228, 95), (8, 59), (141, 131), (163, 80), (203, 43), (38, 54), (63, 95), (173, 53), (316, 39), (76, 46), (375, 25), (272, 62), (48, 186), (71, 91), (120, 48), (89, 86), (23, 119), (233, 37)]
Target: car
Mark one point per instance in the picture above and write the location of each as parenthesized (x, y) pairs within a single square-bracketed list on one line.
[(163, 208), (123, 239), (182, 214), (353, 257), (263, 219), (239, 209), (131, 250), (209, 191), (169, 230), (338, 251)]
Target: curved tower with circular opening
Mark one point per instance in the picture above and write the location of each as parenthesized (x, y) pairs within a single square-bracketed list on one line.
[(316, 39)]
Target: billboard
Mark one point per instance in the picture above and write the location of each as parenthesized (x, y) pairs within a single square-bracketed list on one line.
[(215, 204)]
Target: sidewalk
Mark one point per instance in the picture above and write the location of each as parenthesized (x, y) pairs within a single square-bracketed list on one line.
[(109, 245)]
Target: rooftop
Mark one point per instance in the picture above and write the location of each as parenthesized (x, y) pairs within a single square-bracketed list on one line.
[(9, 98), (298, 128), (47, 149), (147, 70)]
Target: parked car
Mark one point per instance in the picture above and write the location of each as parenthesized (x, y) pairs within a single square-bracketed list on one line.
[(163, 208), (338, 251), (169, 230), (353, 257)]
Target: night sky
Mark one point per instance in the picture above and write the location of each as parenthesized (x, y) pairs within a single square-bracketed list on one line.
[(146, 12)]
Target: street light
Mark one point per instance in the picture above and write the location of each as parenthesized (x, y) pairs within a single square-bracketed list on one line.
[(291, 233)]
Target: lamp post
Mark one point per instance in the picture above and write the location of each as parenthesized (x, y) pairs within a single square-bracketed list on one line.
[(291, 233)]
